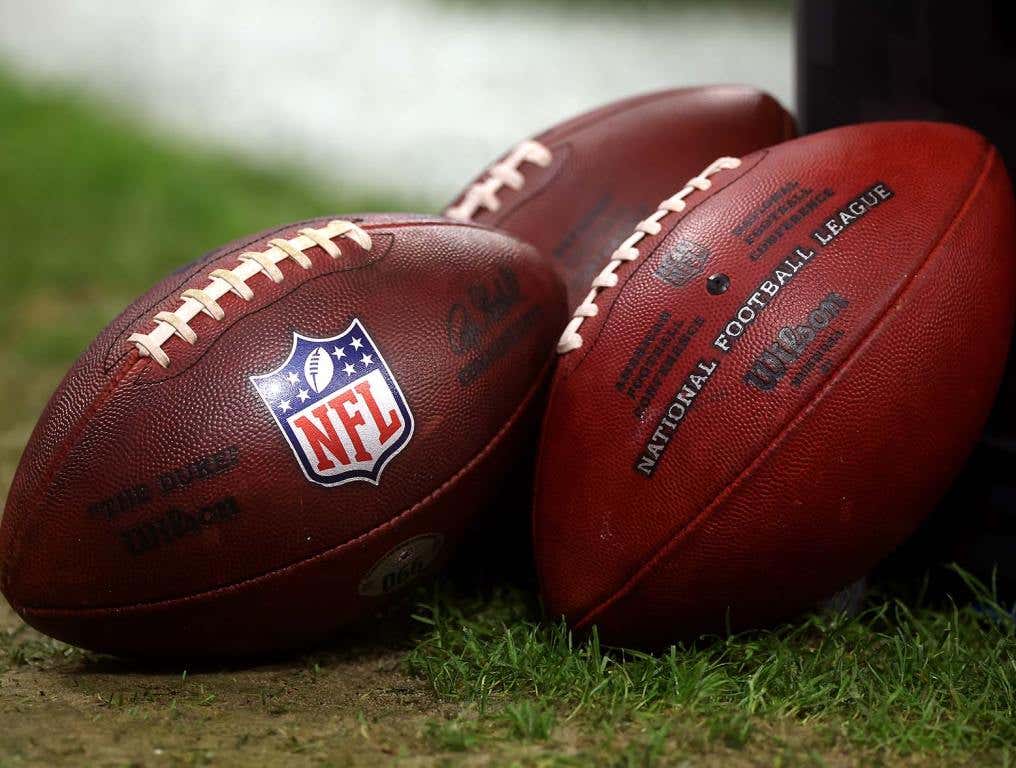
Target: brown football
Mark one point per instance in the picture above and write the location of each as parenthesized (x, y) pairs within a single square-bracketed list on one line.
[(277, 439), (574, 190), (773, 380)]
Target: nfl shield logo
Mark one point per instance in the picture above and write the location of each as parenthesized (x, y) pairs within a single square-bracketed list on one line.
[(338, 406), (684, 263)]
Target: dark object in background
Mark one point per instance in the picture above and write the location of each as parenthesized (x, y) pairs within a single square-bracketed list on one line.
[(863, 60)]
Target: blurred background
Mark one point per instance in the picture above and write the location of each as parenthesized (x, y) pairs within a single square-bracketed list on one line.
[(410, 96), (136, 135)]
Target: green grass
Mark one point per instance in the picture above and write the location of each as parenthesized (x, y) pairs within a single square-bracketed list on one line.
[(95, 209), (452, 736), (894, 680), (529, 720)]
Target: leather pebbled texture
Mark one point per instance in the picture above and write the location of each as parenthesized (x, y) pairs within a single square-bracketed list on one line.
[(611, 167), (689, 481), (242, 554)]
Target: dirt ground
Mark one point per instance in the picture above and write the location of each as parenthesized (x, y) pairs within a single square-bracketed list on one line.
[(354, 707), (63, 707)]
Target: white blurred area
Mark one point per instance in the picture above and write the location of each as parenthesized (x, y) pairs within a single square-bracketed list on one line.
[(409, 96)]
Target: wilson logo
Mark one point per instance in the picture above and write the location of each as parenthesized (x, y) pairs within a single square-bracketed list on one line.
[(791, 342)]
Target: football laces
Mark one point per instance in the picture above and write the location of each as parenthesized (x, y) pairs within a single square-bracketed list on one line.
[(571, 338), (223, 281), (507, 173)]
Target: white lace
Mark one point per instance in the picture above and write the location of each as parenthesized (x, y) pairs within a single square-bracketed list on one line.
[(223, 281), (571, 339), (483, 194)]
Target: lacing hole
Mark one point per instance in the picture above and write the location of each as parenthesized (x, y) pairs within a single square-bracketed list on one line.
[(717, 284)]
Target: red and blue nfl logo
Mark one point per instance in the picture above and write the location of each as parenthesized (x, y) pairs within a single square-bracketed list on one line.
[(338, 406)]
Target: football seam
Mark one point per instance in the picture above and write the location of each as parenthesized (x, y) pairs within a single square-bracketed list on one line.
[(564, 151), (585, 351), (667, 547), (239, 317), (199, 266), (607, 111), (238, 246), (543, 137), (567, 136), (20, 524), (225, 325), (155, 605), (563, 135)]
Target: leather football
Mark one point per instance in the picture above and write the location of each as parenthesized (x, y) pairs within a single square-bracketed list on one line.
[(279, 438), (773, 380), (574, 190)]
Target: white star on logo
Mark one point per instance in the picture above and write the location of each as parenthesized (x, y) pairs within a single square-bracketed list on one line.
[(367, 359), (284, 406), (357, 343), (293, 378), (339, 352), (304, 395), (349, 369)]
